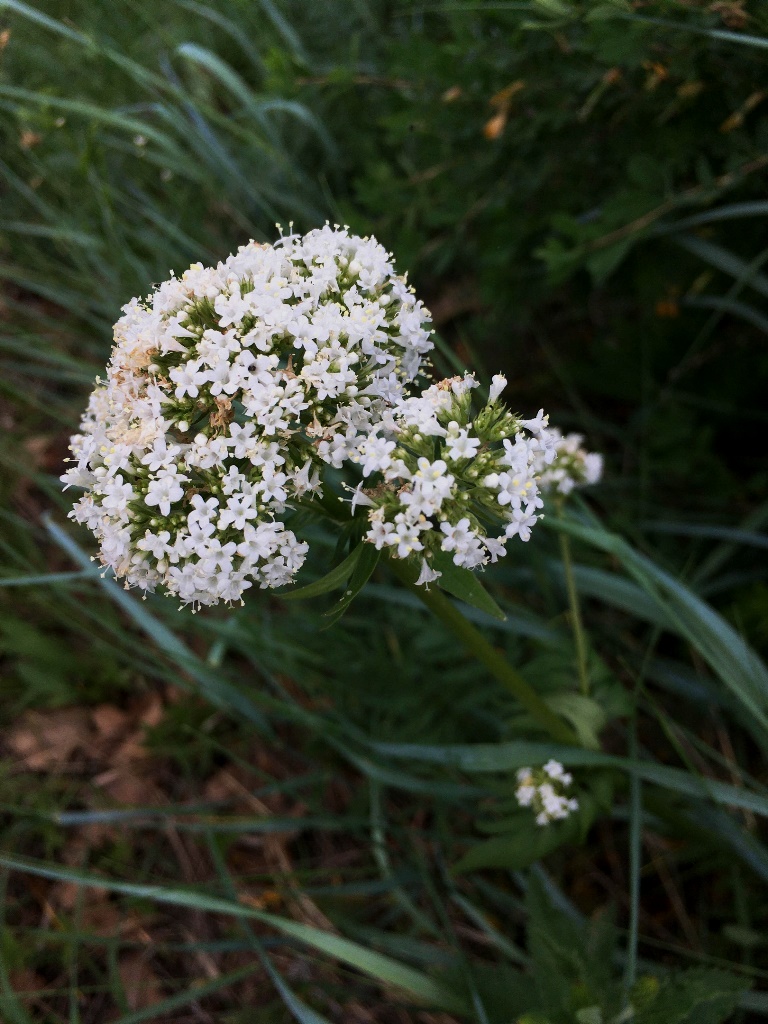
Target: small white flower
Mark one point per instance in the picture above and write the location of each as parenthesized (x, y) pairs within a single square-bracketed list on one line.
[(406, 537), (375, 454), (155, 543), (498, 383), (562, 464), (427, 574), (538, 423), (554, 769), (116, 495), (380, 533), (462, 446), (545, 791), (188, 379), (359, 497), (164, 491), (525, 795)]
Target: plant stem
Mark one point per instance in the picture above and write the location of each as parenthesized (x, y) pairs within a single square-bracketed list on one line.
[(635, 848), (451, 616), (576, 623)]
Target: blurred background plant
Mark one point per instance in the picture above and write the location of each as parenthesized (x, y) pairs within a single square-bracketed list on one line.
[(578, 190)]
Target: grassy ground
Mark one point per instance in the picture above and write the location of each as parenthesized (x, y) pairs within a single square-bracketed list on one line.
[(578, 189)]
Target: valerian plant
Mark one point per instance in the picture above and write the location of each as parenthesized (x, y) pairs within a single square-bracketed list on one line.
[(295, 377), (236, 392)]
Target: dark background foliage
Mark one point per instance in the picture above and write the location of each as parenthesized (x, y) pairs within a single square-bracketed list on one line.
[(577, 189)]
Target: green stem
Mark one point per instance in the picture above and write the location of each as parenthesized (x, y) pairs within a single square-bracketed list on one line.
[(576, 624), (451, 616)]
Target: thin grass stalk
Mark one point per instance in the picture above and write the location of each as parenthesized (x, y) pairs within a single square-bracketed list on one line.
[(451, 616), (577, 624), (635, 849)]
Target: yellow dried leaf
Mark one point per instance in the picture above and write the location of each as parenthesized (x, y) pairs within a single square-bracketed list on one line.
[(492, 129), (752, 101), (736, 120), (452, 94), (667, 309), (502, 98), (688, 90), (45, 740), (29, 139)]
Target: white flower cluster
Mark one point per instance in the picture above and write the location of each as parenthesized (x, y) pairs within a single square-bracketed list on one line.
[(454, 481), (571, 467), (226, 389), (545, 790)]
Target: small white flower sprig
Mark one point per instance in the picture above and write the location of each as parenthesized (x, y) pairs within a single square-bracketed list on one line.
[(572, 465), (226, 389), (453, 480), (545, 790)]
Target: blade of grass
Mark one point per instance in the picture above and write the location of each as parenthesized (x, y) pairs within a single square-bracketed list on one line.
[(734, 536), (48, 579), (10, 1005), (216, 689), (722, 554), (507, 757), (723, 260), (382, 968), (635, 851), (722, 304), (189, 996), (727, 653), (728, 211)]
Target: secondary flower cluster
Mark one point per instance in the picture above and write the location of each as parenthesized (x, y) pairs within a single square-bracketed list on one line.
[(453, 480), (572, 466), (545, 790), (225, 390)]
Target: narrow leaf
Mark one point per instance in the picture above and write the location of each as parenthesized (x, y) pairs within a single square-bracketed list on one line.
[(519, 848), (335, 578), (506, 757), (727, 653), (465, 585), (361, 573)]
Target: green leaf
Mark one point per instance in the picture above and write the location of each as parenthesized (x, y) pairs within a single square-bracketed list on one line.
[(761, 42), (41, 19), (602, 263), (366, 563), (694, 997), (608, 9), (554, 8), (585, 715), (524, 844), (335, 578), (729, 211), (465, 585), (285, 29), (590, 1015)]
